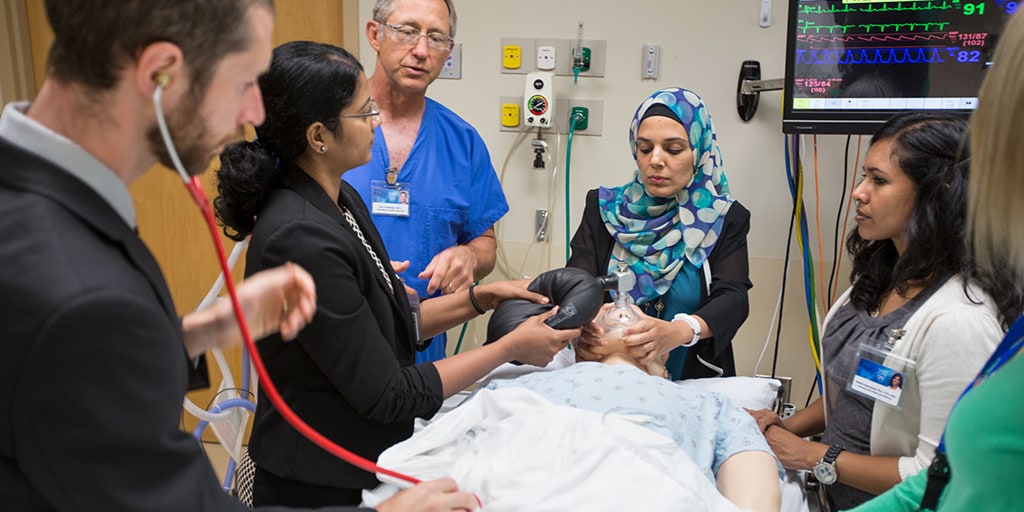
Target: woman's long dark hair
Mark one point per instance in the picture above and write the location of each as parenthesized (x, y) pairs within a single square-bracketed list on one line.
[(307, 82), (931, 149)]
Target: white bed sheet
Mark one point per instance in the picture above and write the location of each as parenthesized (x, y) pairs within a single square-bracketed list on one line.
[(451, 448)]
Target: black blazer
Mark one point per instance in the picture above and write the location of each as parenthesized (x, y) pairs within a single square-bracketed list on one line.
[(351, 373), (92, 364), (724, 309)]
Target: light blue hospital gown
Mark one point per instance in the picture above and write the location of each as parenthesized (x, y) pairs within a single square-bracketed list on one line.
[(704, 424), (454, 196)]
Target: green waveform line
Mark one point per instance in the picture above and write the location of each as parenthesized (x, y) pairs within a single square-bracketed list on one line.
[(806, 26), (873, 7)]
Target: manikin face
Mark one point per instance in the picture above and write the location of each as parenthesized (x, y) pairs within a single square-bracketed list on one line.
[(664, 156), (413, 67), (201, 126), (885, 197)]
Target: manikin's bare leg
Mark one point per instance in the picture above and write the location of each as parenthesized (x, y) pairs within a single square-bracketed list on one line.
[(750, 480)]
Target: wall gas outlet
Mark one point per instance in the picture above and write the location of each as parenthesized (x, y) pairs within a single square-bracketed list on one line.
[(539, 99), (510, 115), (582, 116), (511, 56), (546, 57)]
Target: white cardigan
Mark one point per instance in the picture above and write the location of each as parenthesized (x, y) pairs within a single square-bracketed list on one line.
[(950, 338)]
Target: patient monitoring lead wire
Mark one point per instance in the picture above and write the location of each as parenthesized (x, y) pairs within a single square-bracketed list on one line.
[(199, 196)]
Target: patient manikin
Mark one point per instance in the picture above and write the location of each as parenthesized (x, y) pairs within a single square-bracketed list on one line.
[(721, 439), (579, 297)]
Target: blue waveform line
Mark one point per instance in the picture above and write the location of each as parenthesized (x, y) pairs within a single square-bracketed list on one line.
[(868, 56)]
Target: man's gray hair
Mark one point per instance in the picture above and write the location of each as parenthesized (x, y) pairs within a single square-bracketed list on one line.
[(383, 8)]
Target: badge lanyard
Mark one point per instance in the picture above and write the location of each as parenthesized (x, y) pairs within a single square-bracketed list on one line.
[(939, 471)]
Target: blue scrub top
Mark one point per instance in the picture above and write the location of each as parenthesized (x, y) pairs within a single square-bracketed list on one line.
[(454, 196)]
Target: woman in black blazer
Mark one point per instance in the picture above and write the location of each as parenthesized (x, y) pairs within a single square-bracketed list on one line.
[(350, 373)]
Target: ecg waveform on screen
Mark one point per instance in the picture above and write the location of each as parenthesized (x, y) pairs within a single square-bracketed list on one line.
[(869, 56), (874, 7), (805, 26)]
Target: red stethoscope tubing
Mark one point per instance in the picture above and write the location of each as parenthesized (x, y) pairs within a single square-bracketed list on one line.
[(199, 196)]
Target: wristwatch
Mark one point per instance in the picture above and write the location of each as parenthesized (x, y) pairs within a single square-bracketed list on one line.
[(825, 469)]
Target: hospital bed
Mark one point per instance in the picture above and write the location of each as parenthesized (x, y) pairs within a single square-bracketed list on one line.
[(575, 459), (659, 477)]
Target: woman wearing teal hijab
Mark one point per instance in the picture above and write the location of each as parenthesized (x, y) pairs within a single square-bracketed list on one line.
[(677, 229)]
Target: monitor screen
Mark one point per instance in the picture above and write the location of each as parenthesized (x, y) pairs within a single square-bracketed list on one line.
[(851, 64)]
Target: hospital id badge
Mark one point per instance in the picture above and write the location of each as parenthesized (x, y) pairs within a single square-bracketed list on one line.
[(390, 199), (880, 375)]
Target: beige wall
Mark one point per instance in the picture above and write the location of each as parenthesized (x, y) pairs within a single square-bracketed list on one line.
[(702, 47)]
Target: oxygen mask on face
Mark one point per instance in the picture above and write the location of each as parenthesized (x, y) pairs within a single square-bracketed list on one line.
[(621, 315)]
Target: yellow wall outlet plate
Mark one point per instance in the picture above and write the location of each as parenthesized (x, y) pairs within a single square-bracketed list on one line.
[(510, 115), (511, 56)]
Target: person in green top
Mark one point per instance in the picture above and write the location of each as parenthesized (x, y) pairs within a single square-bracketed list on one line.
[(984, 437)]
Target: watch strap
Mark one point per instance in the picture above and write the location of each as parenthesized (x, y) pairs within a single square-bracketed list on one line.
[(832, 453)]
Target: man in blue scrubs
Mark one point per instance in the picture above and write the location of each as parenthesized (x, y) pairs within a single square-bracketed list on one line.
[(428, 155)]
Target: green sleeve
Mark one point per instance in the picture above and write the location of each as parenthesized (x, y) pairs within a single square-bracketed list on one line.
[(906, 496)]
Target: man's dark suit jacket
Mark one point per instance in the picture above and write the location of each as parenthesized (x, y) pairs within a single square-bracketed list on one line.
[(350, 373), (92, 363)]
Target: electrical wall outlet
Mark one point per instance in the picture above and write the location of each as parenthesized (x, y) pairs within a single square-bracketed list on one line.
[(512, 56), (452, 67), (510, 115), (546, 57)]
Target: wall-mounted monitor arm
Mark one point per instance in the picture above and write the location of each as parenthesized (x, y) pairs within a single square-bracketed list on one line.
[(750, 87)]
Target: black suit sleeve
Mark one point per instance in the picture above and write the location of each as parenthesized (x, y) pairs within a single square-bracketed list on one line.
[(591, 241), (97, 412), (345, 339)]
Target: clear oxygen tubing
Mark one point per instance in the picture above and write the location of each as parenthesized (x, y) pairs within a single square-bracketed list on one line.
[(211, 296), (502, 261), (195, 189)]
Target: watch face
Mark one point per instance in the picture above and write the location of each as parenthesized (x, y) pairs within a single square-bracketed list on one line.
[(825, 473)]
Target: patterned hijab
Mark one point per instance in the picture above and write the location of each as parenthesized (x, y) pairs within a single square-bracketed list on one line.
[(654, 236)]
